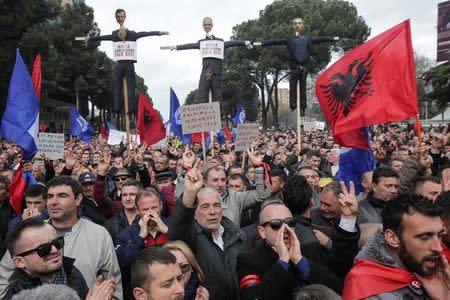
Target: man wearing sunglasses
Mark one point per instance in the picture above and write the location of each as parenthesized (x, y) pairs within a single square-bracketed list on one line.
[(38, 258), (276, 268)]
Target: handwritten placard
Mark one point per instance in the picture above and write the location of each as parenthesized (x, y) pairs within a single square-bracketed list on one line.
[(309, 126), (246, 134), (124, 51), (320, 125), (116, 137), (212, 49), (51, 145), (200, 117)]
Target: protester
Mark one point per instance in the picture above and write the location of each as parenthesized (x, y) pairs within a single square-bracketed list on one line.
[(192, 275), (215, 240), (37, 255), (407, 250)]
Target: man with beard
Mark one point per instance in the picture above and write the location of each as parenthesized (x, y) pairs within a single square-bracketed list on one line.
[(443, 201), (37, 256), (403, 260)]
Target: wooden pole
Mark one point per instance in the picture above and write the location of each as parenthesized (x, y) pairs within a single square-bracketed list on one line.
[(78, 102), (125, 104), (243, 160), (299, 129), (210, 133), (204, 147)]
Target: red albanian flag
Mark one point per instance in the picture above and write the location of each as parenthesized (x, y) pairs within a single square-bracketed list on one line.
[(149, 123), (372, 84), (36, 76)]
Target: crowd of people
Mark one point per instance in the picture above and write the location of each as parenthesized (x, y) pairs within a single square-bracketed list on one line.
[(144, 222)]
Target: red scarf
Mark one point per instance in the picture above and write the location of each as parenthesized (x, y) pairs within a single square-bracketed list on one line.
[(160, 239), (367, 278), (446, 251)]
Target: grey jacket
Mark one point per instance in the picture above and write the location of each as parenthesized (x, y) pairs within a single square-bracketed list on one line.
[(233, 203), (376, 250)]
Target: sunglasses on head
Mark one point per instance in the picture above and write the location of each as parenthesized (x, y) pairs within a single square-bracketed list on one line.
[(277, 223), (45, 249), (185, 268), (122, 178)]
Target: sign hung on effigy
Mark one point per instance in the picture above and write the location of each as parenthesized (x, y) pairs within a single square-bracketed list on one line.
[(200, 117), (51, 145), (124, 51), (246, 134), (211, 49)]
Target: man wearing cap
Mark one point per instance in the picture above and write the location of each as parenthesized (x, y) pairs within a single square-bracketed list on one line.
[(88, 206)]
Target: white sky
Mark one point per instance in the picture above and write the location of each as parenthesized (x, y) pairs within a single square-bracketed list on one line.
[(183, 19)]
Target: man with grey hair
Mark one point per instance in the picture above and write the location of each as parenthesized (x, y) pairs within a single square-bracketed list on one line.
[(233, 203), (214, 239)]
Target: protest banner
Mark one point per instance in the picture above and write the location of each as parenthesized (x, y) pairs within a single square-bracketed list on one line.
[(51, 145), (309, 126), (320, 125), (200, 117), (116, 137), (246, 134)]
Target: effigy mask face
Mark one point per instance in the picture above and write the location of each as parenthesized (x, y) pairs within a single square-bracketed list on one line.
[(120, 17), (207, 24), (298, 25)]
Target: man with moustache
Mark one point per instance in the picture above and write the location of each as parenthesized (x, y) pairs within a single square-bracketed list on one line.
[(403, 260), (37, 255)]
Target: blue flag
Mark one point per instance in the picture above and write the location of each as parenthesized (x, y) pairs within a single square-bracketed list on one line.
[(221, 137), (175, 118), (240, 115), (354, 162), (80, 127), (20, 122), (109, 126)]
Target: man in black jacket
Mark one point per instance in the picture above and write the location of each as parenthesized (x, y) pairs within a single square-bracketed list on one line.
[(37, 255), (275, 268), (214, 239), (299, 47), (125, 67), (211, 48)]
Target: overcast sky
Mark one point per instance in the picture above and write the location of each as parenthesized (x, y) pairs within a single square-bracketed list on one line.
[(183, 19)]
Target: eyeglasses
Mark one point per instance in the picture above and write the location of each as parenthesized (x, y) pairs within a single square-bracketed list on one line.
[(185, 268), (276, 224), (45, 249), (122, 178)]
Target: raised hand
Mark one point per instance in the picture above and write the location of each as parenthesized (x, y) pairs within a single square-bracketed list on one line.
[(348, 201), (438, 285), (295, 254), (189, 157), (144, 226), (280, 247), (254, 156), (193, 181), (323, 238), (102, 289), (160, 226), (202, 293), (104, 165)]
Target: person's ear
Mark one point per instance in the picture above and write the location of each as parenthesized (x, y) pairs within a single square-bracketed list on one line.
[(139, 293), (392, 238), (78, 199), (262, 232), (18, 262)]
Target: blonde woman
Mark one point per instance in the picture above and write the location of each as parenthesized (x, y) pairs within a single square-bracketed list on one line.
[(192, 275)]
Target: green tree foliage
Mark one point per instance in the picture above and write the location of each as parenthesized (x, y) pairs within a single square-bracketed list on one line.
[(47, 28), (269, 66), (439, 78)]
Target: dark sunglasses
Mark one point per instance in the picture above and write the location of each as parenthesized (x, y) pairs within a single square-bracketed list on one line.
[(277, 223), (185, 268), (123, 178), (45, 249)]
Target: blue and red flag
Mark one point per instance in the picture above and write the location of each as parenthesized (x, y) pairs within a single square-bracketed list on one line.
[(20, 122), (354, 162), (17, 187)]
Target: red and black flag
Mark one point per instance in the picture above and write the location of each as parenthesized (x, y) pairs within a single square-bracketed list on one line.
[(149, 123), (372, 84)]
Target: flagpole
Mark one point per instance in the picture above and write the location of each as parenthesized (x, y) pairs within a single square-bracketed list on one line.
[(125, 100), (210, 133), (204, 147), (299, 138)]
